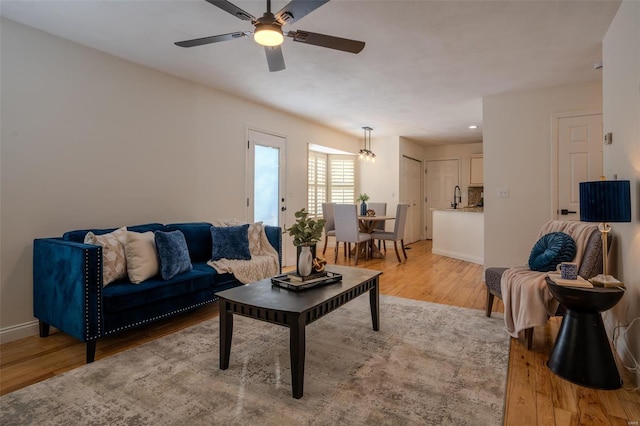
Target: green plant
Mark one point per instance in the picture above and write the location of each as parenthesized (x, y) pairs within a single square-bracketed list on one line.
[(363, 197), (305, 231)]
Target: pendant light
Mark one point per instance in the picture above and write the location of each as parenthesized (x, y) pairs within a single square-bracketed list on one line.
[(366, 153)]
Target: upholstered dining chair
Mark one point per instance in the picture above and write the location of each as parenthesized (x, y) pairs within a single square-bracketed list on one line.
[(329, 224), (348, 229), (398, 231), (379, 226), (588, 255)]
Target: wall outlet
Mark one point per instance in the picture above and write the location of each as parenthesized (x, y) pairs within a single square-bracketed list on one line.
[(503, 193)]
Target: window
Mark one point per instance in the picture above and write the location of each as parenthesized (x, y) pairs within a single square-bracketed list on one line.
[(331, 178), (342, 178), (317, 182)]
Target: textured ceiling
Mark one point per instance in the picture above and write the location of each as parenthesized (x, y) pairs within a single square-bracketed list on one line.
[(422, 75)]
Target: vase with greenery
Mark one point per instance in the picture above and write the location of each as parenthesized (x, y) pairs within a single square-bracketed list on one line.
[(306, 233), (363, 198)]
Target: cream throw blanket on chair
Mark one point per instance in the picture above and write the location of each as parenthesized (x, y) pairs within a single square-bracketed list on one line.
[(527, 300), (264, 258)]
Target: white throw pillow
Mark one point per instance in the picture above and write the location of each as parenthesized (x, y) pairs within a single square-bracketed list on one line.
[(255, 238), (142, 257), (114, 261)]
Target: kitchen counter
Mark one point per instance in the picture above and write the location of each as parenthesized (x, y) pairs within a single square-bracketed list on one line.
[(464, 209), (459, 233)]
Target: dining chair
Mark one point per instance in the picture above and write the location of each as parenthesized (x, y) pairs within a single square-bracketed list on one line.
[(379, 226), (398, 230), (329, 224), (348, 229)]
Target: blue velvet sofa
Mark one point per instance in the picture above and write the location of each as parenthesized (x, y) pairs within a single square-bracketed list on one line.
[(68, 292)]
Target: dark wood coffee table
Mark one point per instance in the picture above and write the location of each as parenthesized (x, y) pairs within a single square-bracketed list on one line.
[(295, 309)]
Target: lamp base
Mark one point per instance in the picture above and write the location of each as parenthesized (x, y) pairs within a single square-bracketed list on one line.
[(604, 229)]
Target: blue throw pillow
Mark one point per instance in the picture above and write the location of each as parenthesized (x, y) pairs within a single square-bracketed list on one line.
[(551, 250), (230, 242), (173, 253)]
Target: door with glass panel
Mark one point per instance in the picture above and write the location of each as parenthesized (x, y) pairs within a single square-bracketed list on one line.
[(266, 178)]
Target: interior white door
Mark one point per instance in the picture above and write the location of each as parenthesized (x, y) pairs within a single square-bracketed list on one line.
[(579, 160), (441, 178), (412, 195)]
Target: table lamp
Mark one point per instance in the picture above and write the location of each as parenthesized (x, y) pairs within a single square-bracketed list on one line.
[(605, 201)]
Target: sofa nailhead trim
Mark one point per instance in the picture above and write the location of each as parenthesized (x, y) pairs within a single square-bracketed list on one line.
[(98, 295), (168, 314)]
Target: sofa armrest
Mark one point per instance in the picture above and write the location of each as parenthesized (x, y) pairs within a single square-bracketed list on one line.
[(67, 286), (274, 234)]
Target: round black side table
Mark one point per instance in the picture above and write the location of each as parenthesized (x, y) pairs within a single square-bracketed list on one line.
[(581, 353)]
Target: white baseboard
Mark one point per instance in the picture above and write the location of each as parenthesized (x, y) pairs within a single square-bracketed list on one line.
[(460, 256), (15, 332)]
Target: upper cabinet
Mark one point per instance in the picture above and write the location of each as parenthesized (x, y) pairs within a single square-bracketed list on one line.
[(476, 170)]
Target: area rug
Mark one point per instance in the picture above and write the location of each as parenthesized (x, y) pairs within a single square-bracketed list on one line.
[(429, 364)]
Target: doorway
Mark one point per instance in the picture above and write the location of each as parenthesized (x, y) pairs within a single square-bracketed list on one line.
[(442, 176), (577, 140), (411, 193), (266, 178)]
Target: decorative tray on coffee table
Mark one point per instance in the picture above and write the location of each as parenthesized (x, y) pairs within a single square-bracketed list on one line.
[(293, 281)]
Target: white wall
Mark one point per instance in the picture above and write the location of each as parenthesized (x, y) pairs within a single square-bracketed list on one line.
[(517, 156), (90, 140), (621, 114)]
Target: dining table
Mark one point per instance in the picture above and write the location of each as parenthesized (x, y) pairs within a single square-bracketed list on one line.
[(367, 225)]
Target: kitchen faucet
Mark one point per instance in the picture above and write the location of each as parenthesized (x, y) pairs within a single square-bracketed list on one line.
[(457, 197)]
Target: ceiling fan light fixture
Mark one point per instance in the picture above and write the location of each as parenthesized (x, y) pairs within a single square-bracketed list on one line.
[(268, 35)]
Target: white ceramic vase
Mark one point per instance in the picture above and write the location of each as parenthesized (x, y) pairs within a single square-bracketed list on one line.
[(305, 261)]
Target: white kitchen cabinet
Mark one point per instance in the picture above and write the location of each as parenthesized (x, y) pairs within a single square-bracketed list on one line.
[(476, 170)]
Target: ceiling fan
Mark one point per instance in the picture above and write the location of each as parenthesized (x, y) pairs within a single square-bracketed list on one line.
[(268, 30)]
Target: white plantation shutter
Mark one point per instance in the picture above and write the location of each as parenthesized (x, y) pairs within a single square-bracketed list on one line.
[(317, 181), (331, 178), (342, 179)]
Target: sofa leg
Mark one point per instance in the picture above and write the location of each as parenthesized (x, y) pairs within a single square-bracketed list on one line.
[(44, 328), (528, 337), (91, 351), (489, 302)]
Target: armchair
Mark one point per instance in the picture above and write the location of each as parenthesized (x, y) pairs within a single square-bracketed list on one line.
[(537, 295)]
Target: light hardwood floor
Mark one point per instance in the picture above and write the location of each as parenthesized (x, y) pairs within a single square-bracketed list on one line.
[(535, 396)]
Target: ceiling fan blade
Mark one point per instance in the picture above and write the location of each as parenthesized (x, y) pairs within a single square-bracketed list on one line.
[(274, 58), (322, 40), (212, 39), (233, 9), (297, 9)]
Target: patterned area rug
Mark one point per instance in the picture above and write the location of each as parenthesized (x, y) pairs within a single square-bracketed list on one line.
[(429, 364)]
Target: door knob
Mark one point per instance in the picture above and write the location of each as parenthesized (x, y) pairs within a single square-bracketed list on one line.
[(566, 212)]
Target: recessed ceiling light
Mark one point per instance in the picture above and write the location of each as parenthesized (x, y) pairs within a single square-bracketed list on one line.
[(473, 126)]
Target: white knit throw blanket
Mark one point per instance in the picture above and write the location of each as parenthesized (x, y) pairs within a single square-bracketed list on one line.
[(264, 258), (527, 300)]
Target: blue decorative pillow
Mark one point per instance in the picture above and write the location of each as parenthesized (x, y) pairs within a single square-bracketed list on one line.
[(230, 242), (551, 250), (173, 253)]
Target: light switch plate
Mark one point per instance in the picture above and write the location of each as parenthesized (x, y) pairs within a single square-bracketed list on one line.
[(503, 193)]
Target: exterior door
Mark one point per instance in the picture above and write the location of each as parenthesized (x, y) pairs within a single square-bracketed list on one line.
[(266, 179), (579, 148), (412, 195), (442, 177)]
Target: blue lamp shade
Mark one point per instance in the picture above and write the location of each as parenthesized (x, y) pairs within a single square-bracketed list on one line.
[(605, 201)]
